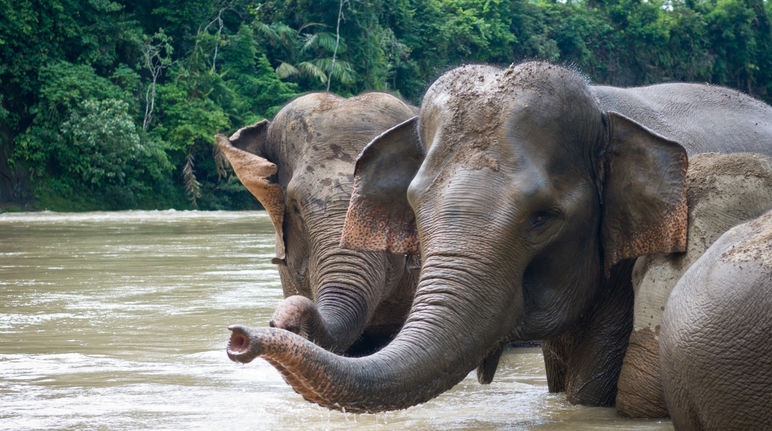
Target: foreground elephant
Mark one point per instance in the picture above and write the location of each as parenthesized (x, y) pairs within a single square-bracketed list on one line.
[(531, 201), (723, 190), (715, 340), (300, 167)]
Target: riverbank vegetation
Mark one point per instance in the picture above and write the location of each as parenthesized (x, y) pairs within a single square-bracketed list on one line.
[(114, 104)]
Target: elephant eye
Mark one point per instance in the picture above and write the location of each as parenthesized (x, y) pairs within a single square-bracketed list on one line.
[(540, 218)]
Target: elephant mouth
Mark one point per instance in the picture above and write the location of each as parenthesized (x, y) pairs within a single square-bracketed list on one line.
[(239, 345)]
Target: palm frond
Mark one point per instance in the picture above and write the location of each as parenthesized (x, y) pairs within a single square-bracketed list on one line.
[(311, 24), (310, 69), (267, 31), (327, 41), (310, 42), (221, 162), (343, 71), (284, 30), (287, 34), (285, 70)]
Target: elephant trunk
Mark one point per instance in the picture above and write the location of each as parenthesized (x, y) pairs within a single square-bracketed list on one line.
[(351, 286), (442, 340), (347, 287)]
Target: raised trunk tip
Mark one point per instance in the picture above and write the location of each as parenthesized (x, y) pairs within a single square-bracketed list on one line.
[(240, 346)]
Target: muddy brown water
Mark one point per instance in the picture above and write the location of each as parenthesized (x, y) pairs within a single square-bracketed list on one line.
[(117, 321)]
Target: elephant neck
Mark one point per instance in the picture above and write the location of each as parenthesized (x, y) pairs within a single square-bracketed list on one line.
[(585, 361)]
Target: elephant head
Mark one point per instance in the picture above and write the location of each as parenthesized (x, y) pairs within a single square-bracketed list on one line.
[(300, 167), (527, 201)]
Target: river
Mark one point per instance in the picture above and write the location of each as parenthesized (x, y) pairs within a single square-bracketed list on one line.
[(117, 321)]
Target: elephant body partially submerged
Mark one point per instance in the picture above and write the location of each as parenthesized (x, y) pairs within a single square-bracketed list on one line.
[(530, 202), (300, 167), (716, 354), (723, 190)]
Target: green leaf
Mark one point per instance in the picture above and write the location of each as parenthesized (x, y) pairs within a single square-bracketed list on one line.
[(312, 70), (286, 70)]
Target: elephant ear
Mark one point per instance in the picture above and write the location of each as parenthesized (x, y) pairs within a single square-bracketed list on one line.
[(379, 217), (254, 172), (644, 193)]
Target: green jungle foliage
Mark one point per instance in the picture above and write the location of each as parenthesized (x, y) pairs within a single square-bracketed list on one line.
[(114, 104)]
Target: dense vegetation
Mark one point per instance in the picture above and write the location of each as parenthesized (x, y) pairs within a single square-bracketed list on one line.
[(114, 104)]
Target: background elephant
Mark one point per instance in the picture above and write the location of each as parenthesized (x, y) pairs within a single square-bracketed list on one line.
[(531, 202), (715, 338), (300, 167), (723, 190)]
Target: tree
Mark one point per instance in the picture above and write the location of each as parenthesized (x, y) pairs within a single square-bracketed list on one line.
[(75, 73), (156, 53), (306, 56)]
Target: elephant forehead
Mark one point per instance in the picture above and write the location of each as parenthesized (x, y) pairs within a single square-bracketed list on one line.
[(478, 85), (465, 129), (477, 108), (533, 114), (476, 97), (321, 181)]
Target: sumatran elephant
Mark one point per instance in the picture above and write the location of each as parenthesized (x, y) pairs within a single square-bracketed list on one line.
[(300, 167), (529, 199), (723, 190), (715, 345)]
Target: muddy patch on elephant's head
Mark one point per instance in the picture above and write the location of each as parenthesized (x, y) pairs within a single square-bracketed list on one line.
[(723, 187), (339, 154), (705, 170), (476, 109), (327, 102)]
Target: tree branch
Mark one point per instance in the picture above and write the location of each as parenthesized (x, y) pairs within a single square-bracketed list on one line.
[(337, 42)]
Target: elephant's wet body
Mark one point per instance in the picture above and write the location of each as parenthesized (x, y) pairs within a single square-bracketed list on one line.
[(314, 142), (522, 172), (550, 178), (723, 190), (716, 356)]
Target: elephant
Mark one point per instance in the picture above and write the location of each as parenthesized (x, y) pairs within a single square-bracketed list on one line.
[(528, 200), (300, 167), (716, 354), (722, 191)]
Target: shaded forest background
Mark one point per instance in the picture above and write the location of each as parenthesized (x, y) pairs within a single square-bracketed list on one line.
[(114, 104)]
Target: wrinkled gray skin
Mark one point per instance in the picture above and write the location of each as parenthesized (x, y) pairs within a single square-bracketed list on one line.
[(531, 203), (333, 295), (715, 345), (723, 190)]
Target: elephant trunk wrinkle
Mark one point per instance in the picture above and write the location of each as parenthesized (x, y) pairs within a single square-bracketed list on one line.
[(433, 351), (326, 379), (346, 285), (297, 383), (451, 293), (349, 284), (344, 318)]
